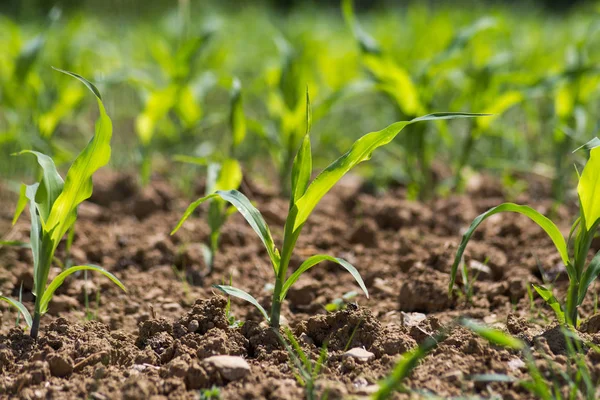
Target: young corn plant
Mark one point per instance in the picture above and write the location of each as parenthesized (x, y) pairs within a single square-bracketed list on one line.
[(581, 273), (53, 206), (411, 95), (305, 195), (223, 173)]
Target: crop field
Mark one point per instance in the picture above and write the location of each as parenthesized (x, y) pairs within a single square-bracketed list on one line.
[(299, 200)]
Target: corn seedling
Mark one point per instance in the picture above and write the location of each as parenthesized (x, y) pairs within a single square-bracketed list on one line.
[(307, 370), (53, 209), (172, 107), (223, 173), (305, 196), (581, 274), (411, 95)]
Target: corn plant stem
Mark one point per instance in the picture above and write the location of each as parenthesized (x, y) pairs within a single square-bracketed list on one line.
[(289, 241)]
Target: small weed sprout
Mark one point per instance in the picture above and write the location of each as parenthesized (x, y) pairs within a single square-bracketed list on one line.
[(53, 210), (581, 274), (223, 173), (305, 195), (342, 302), (307, 370)]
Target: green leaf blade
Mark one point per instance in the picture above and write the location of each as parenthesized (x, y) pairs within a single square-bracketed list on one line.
[(19, 306), (316, 259), (60, 278), (360, 151), (589, 189), (546, 224), (78, 184), (492, 335), (552, 301), (240, 294), (590, 274)]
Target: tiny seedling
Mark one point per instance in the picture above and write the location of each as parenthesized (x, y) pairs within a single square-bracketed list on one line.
[(307, 370), (342, 302), (581, 273), (53, 209), (223, 173), (305, 196)]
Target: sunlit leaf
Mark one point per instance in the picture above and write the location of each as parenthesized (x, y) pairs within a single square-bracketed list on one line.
[(235, 292), (589, 189), (549, 298), (547, 225), (314, 260), (60, 278), (19, 306)]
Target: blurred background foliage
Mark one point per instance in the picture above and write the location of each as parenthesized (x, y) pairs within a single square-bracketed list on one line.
[(166, 68)]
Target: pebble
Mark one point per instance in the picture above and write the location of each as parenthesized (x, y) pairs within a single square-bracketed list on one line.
[(193, 326), (516, 364), (232, 368), (359, 354), (60, 365)]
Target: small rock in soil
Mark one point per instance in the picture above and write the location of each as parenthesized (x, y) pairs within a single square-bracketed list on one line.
[(60, 365), (231, 368), (360, 354)]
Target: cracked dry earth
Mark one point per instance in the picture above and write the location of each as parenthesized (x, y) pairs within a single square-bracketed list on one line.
[(169, 336)]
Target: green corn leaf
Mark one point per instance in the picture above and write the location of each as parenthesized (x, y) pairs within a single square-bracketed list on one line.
[(548, 226), (237, 120), (492, 378), (589, 189), (248, 211), (60, 278), (590, 274), (549, 298), (240, 294), (19, 306), (78, 183), (21, 203), (493, 336), (51, 184), (499, 106), (302, 167), (360, 151), (314, 260)]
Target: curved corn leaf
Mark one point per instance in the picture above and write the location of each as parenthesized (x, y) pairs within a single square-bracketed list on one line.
[(19, 306), (549, 298), (15, 243), (589, 189), (237, 120), (360, 151), (240, 294), (548, 226), (314, 260), (248, 211), (60, 278), (493, 336), (51, 184), (78, 183), (590, 274)]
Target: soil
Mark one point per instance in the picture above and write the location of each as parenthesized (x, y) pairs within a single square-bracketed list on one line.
[(156, 341)]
